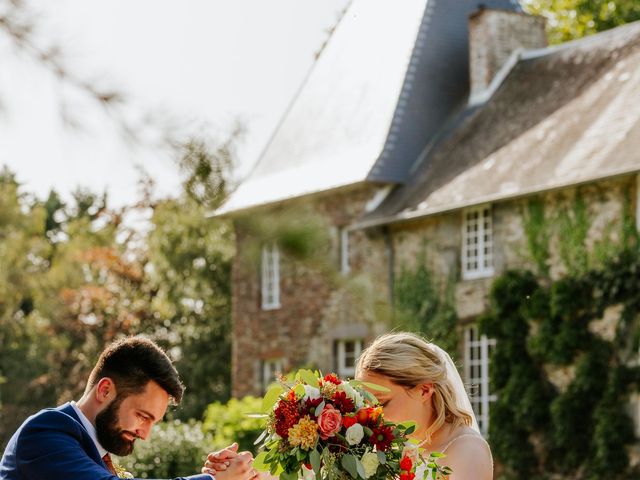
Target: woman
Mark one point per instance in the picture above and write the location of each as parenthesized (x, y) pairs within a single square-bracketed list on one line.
[(425, 387)]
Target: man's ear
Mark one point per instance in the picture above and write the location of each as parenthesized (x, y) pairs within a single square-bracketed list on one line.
[(105, 390)]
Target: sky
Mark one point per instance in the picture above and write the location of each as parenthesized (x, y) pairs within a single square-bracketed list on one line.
[(206, 64)]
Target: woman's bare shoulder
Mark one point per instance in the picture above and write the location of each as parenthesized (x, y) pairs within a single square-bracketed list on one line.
[(469, 456)]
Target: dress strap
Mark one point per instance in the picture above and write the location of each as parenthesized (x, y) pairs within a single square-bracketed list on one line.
[(460, 436)]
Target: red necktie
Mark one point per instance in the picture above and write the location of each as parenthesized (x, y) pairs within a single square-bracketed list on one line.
[(107, 460)]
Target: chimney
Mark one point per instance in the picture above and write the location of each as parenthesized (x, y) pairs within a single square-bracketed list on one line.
[(493, 36)]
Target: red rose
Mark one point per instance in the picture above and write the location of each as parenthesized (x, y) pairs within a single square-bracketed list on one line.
[(329, 422), (406, 464), (407, 476), (349, 421)]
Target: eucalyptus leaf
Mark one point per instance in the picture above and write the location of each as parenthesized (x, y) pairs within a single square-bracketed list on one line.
[(314, 459), (259, 462), (349, 464), (271, 397), (360, 469)]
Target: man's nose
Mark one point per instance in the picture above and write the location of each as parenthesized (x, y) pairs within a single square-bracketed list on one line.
[(143, 431)]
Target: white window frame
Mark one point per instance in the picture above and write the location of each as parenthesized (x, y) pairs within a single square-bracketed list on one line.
[(638, 201), (480, 231), (345, 268), (270, 367), (270, 266), (477, 353), (342, 369)]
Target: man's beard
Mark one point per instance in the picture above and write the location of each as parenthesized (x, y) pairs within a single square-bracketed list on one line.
[(109, 433)]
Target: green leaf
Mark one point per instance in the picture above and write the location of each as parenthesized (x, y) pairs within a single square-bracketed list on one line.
[(299, 389), (308, 377), (360, 468), (314, 459), (349, 464), (271, 397), (319, 409), (382, 458), (259, 462), (437, 455), (289, 476), (373, 386), (261, 437)]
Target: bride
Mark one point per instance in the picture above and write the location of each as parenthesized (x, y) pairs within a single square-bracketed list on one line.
[(425, 387)]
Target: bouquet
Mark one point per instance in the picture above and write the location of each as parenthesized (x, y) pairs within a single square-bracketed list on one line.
[(335, 429)]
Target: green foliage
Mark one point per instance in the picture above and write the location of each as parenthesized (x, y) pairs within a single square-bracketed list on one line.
[(572, 19), (537, 233), (583, 427), (230, 422), (422, 304), (175, 449), (573, 226), (190, 257)]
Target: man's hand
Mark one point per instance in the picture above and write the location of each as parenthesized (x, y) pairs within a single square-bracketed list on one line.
[(227, 464), (220, 460)]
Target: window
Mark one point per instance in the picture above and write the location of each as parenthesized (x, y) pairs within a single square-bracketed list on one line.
[(344, 251), (270, 277), (477, 243), (477, 352), (270, 368), (346, 356)]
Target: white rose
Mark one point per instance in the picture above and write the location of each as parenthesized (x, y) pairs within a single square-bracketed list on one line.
[(354, 434), (311, 392), (411, 450), (352, 394), (370, 463)]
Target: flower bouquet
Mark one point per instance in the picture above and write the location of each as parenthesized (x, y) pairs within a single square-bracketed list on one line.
[(336, 430)]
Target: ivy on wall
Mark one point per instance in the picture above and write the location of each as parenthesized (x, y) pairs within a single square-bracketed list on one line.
[(584, 325), (424, 304)]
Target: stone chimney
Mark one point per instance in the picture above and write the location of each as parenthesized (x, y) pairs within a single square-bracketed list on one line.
[(493, 36)]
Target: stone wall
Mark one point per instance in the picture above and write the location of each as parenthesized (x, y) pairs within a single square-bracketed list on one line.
[(318, 308), (318, 305)]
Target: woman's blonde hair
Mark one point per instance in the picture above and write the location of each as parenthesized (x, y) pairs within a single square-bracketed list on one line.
[(408, 360)]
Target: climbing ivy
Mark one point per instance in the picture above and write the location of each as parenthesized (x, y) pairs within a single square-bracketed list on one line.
[(578, 427), (425, 304), (582, 428)]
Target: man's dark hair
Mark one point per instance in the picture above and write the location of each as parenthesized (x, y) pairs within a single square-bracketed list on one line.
[(134, 361)]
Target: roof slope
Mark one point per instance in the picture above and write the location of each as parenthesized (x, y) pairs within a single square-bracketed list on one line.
[(562, 116), (389, 75)]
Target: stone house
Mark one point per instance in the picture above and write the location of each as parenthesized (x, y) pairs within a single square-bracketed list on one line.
[(433, 141)]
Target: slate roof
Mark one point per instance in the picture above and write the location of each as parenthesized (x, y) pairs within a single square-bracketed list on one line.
[(562, 116), (389, 76)]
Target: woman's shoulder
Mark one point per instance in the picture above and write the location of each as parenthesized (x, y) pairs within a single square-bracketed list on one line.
[(468, 449)]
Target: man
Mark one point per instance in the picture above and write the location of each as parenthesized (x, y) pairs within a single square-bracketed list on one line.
[(127, 393)]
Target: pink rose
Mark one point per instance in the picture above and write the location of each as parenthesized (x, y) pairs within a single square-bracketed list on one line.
[(329, 422)]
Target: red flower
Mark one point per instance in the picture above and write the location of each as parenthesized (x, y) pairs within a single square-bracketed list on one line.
[(406, 464), (407, 476), (286, 416), (332, 378), (310, 405), (349, 421), (382, 437), (368, 415), (343, 403)]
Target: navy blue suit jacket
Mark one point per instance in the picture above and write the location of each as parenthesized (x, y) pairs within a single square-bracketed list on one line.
[(54, 445)]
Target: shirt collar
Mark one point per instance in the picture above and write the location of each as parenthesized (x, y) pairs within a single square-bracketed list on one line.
[(91, 430)]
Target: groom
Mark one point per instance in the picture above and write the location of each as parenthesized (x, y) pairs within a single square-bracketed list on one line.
[(127, 393)]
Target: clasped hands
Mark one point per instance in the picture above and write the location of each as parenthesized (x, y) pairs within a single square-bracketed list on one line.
[(229, 464)]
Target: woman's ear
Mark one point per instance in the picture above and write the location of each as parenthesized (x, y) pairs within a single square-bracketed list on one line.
[(426, 391), (105, 390)]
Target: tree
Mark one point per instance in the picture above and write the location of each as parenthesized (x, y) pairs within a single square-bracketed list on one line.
[(572, 19)]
